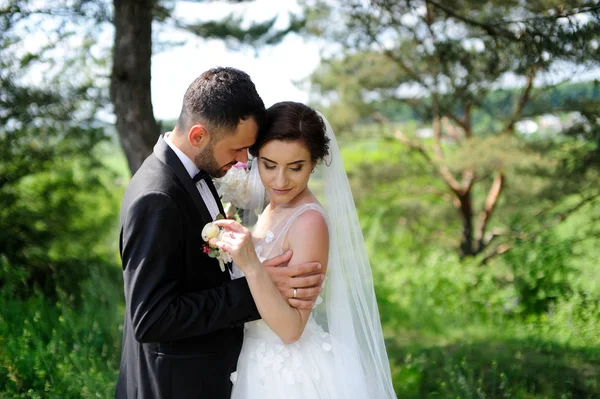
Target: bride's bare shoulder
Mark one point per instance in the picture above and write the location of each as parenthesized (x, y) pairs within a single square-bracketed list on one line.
[(309, 226)]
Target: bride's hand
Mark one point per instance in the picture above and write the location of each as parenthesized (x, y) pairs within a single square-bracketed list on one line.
[(237, 240)]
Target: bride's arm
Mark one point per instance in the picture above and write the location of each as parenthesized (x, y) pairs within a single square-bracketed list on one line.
[(309, 240)]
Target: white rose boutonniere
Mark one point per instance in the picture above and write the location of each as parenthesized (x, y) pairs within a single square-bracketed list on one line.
[(211, 233)]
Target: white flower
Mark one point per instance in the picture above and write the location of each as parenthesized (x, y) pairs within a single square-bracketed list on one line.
[(233, 187), (209, 231)]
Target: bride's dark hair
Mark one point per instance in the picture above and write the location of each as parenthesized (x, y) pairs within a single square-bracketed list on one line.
[(291, 121)]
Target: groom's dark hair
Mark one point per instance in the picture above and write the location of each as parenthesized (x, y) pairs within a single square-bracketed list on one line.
[(219, 99)]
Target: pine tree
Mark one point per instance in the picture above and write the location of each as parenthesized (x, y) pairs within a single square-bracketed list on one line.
[(443, 61)]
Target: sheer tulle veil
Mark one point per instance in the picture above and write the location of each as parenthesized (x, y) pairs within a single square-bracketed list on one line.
[(348, 309)]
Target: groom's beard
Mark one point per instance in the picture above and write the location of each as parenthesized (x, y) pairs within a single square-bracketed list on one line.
[(206, 161)]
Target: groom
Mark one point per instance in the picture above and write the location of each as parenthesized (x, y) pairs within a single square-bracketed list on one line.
[(184, 317)]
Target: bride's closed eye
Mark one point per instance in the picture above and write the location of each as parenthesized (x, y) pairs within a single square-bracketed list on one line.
[(296, 168)]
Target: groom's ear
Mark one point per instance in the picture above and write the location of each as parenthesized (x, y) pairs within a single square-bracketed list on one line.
[(198, 136)]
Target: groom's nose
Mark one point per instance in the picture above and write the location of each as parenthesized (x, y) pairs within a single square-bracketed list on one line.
[(243, 157)]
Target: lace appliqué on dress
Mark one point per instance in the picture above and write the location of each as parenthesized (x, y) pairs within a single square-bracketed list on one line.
[(287, 361), (269, 237)]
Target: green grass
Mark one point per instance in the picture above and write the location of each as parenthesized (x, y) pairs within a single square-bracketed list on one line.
[(495, 368), (58, 349)]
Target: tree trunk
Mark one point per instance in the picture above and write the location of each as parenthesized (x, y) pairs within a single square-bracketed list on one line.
[(465, 208), (130, 80)]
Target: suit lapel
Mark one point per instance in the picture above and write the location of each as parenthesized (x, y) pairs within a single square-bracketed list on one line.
[(167, 156)]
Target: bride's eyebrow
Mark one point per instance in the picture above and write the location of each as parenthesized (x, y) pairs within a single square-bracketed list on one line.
[(291, 163)]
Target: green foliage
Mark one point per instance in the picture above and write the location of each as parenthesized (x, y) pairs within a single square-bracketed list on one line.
[(525, 327), (460, 330), (497, 368), (496, 105), (53, 187), (231, 31), (52, 349), (57, 199), (541, 272), (457, 330), (467, 72)]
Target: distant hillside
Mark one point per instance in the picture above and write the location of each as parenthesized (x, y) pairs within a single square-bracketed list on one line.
[(500, 103)]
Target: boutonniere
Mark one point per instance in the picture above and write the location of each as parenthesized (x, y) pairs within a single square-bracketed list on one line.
[(211, 233)]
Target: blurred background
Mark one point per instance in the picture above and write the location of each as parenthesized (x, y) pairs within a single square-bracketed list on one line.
[(470, 131)]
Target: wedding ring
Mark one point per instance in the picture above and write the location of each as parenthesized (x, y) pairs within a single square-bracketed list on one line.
[(294, 296)]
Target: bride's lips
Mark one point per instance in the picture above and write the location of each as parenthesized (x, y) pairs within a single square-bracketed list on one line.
[(281, 192)]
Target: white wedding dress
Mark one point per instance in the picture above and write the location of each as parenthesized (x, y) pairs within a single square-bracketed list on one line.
[(266, 367)]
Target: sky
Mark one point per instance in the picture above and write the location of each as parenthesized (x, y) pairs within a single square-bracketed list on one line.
[(273, 70)]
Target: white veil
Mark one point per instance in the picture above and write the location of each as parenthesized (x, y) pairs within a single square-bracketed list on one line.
[(348, 311), (257, 195)]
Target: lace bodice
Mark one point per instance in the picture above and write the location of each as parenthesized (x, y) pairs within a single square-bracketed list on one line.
[(269, 236)]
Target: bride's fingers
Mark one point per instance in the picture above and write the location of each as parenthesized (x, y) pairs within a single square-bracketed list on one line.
[(233, 242), (230, 225), (225, 246), (237, 240)]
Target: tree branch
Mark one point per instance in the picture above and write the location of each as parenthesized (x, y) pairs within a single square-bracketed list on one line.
[(442, 169), (468, 179), (574, 12), (437, 131), (502, 248), (490, 205), (489, 29), (461, 123), (498, 250), (450, 128), (562, 216), (522, 101)]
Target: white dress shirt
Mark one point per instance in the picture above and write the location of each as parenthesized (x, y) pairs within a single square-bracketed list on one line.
[(207, 195)]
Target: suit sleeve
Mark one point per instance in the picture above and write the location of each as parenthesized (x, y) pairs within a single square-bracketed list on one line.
[(152, 245)]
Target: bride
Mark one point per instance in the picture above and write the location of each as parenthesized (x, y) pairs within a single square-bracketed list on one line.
[(335, 350)]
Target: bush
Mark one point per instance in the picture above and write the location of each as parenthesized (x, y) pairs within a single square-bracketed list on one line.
[(53, 349), (540, 273)]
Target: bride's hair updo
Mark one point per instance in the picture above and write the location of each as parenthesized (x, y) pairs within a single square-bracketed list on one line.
[(291, 121)]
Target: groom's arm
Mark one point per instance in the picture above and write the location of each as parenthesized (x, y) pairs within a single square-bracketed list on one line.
[(152, 238)]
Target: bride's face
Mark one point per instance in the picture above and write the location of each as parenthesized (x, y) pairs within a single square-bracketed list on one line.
[(284, 168)]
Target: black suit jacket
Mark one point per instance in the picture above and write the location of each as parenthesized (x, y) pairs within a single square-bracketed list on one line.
[(184, 317)]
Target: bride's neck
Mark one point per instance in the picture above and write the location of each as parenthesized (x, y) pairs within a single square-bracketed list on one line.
[(297, 200)]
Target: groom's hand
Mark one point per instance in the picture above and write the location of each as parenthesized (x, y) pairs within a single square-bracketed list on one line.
[(306, 278)]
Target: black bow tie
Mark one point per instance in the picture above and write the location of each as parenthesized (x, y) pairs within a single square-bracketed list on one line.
[(202, 175)]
